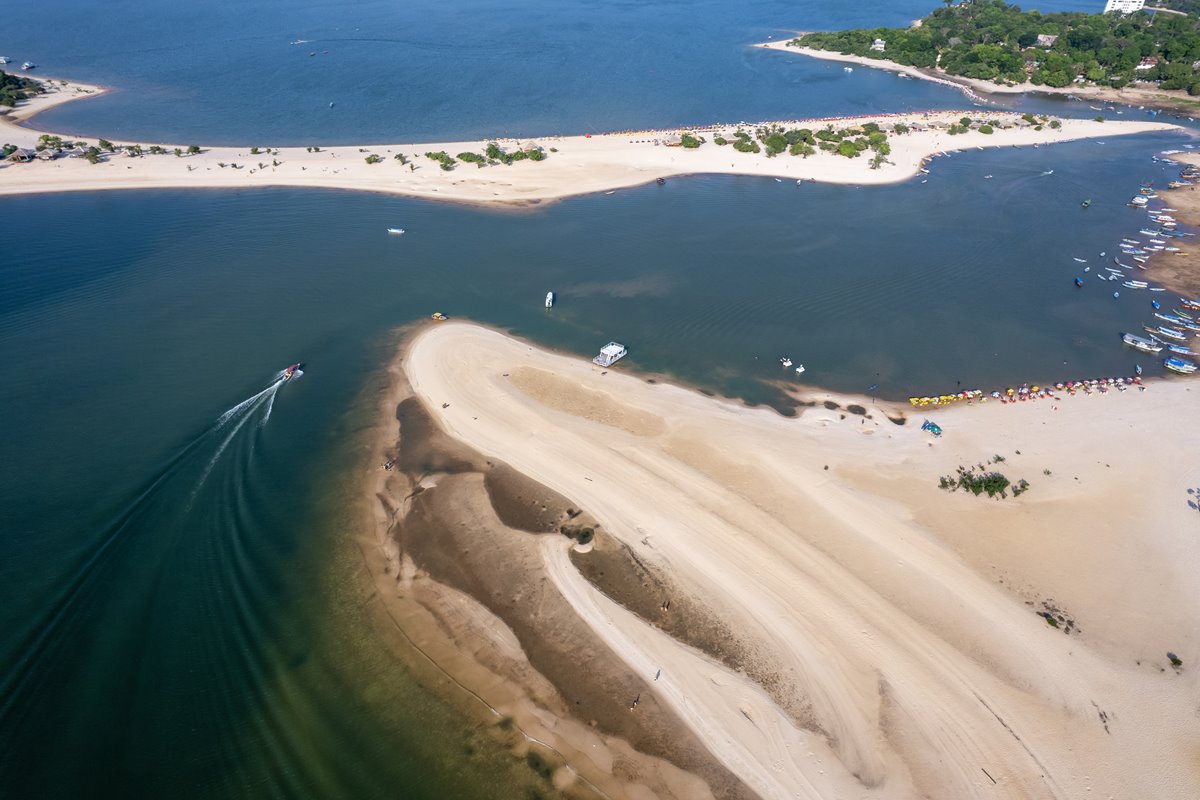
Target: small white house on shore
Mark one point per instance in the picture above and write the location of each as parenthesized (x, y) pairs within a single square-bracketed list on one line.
[(610, 354), (879, 45)]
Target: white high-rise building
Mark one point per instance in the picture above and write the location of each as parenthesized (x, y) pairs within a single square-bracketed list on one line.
[(1124, 6)]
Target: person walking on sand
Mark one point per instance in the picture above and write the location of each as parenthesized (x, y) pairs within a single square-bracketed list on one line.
[(635, 702)]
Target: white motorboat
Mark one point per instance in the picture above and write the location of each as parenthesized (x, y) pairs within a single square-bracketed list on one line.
[(549, 299), (786, 362), (1143, 344), (395, 230)]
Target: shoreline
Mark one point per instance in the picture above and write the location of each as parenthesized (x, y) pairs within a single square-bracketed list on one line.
[(462, 650), (573, 165), (889, 579), (1177, 272), (1152, 98)]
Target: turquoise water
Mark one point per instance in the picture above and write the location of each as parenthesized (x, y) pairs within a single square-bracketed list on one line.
[(177, 601)]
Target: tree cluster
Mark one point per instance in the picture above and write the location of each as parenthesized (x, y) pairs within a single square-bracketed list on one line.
[(994, 41), (14, 88)]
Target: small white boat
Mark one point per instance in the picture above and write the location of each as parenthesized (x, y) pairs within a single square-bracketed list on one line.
[(1048, 172), (786, 362), (3, 60), (848, 69), (1081, 260), (800, 370), (28, 65), (549, 299), (395, 230)]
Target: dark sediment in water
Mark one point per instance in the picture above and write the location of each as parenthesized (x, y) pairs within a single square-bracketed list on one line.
[(476, 525)]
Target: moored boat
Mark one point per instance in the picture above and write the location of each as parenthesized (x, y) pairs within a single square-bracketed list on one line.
[(1179, 365), (1170, 333), (1145, 345), (395, 230), (549, 299)]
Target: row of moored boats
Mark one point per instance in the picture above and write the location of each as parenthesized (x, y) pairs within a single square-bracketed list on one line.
[(1172, 329)]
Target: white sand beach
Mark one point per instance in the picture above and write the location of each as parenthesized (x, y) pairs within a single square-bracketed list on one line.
[(911, 657), (574, 165)]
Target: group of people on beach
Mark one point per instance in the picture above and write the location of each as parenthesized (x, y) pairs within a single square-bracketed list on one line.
[(1027, 392)]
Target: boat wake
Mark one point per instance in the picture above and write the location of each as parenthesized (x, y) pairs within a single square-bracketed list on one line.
[(256, 407), (137, 539)]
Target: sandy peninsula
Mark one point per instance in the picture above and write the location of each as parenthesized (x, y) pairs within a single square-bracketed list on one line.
[(878, 637), (574, 165), (1152, 97)]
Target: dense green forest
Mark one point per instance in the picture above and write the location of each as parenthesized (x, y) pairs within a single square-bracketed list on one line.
[(14, 88), (992, 40)]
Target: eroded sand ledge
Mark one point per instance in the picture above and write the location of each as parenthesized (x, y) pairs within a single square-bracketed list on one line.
[(581, 165), (902, 616)]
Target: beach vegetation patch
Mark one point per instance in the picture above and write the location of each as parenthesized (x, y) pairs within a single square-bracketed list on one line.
[(14, 88), (1055, 124), (848, 149), (986, 129), (374, 158), (444, 159), (689, 141), (977, 480)]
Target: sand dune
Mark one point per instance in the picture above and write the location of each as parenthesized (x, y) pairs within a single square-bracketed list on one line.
[(901, 619), (574, 165)]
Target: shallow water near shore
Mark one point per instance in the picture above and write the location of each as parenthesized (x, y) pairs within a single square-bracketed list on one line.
[(177, 598)]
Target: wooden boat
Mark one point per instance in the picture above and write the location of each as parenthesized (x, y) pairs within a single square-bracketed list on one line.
[(1145, 345), (1180, 366)]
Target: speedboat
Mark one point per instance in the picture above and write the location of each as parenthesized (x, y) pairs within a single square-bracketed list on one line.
[(1145, 345), (786, 362), (800, 370), (28, 65), (395, 230), (549, 299), (3, 60), (291, 372), (1180, 366)]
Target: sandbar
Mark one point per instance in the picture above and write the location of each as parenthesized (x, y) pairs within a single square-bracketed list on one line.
[(908, 623), (574, 165)]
